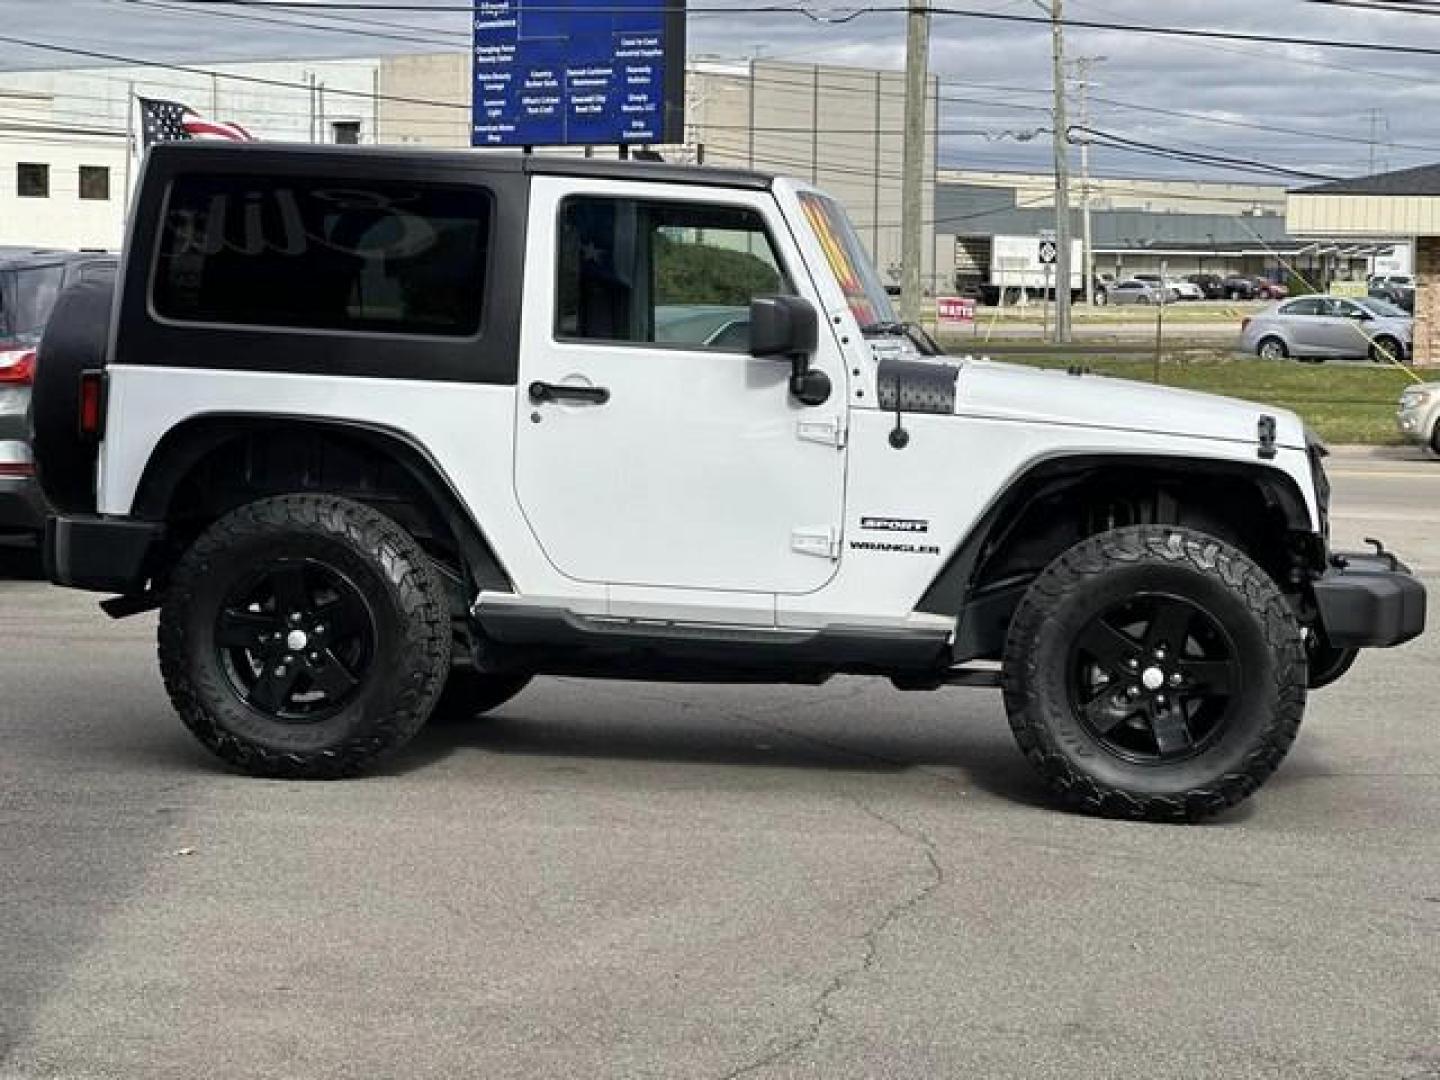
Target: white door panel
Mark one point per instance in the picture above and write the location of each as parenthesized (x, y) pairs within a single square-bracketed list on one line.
[(693, 473)]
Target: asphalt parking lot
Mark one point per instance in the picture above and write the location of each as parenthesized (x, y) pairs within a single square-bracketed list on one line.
[(615, 880)]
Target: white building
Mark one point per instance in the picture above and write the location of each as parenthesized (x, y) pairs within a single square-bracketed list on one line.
[(68, 142)]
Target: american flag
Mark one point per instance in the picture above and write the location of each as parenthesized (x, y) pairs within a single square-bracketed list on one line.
[(167, 121)]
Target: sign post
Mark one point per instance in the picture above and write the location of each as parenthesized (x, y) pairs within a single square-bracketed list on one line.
[(1048, 252), (578, 73)]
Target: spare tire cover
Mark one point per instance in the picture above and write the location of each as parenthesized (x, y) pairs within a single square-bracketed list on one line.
[(76, 338)]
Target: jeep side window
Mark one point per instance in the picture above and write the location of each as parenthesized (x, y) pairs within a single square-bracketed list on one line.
[(654, 272), (323, 254)]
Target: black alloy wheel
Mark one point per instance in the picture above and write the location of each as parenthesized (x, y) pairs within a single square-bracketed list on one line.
[(1154, 672), (1154, 679), (296, 640), (305, 636)]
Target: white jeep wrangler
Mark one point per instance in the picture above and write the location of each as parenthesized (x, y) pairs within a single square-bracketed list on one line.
[(377, 430)]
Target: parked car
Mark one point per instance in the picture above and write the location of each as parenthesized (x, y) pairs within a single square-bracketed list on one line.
[(1386, 281), (1399, 290), (1161, 285), (1418, 415), (1321, 327), (30, 281), (1211, 286), (1241, 287), (1271, 290), (1136, 292)]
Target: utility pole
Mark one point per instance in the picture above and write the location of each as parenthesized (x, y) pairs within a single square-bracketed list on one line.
[(1083, 64), (912, 191), (1062, 178)]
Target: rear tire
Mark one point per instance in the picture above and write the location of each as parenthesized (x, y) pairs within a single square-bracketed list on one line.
[(469, 694), (304, 636), (1172, 722), (1386, 350), (1272, 348)]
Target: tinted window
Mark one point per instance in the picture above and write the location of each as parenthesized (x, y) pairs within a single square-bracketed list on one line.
[(1301, 307), (26, 297), (323, 254), (670, 273)]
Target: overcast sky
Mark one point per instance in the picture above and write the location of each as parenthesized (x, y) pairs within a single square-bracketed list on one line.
[(1307, 92)]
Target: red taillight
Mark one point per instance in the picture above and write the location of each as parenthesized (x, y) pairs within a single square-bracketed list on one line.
[(16, 468), (17, 366), (92, 404)]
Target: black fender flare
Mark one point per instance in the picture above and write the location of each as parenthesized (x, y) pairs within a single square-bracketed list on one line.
[(951, 589), (189, 442)]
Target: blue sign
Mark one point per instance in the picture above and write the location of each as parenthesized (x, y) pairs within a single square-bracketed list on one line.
[(578, 72)]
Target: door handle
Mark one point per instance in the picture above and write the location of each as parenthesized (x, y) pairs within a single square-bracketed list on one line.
[(543, 391)]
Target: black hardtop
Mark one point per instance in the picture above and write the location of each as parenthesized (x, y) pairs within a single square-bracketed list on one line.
[(176, 156)]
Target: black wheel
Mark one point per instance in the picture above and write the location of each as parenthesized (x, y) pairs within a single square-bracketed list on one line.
[(469, 693), (1435, 439), (304, 636), (1386, 350), (1102, 298), (1272, 348), (1154, 672)]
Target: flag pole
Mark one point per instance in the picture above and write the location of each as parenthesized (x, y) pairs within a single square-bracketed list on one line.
[(129, 141)]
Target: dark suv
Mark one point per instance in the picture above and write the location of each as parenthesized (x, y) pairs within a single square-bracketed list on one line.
[(30, 281)]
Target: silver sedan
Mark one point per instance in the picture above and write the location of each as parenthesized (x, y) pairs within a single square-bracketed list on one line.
[(1322, 327), (1135, 292)]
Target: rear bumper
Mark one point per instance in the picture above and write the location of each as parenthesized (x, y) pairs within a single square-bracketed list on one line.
[(1369, 601), (113, 555)]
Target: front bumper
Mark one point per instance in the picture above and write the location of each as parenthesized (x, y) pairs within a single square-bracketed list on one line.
[(1369, 601), (113, 555), (1416, 424)]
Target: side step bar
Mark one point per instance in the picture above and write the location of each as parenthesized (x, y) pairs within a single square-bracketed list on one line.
[(854, 649)]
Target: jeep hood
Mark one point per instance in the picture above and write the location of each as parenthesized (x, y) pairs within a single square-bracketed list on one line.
[(1015, 392)]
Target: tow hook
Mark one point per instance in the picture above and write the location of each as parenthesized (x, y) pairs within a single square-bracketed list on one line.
[(1381, 553)]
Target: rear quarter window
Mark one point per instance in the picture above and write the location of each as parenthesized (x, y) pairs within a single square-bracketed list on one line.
[(323, 254)]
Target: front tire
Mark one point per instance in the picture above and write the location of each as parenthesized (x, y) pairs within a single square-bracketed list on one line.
[(1386, 350), (1154, 673), (1272, 348), (304, 636)]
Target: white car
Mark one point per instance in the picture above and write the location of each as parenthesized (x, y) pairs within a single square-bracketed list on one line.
[(1418, 415), (488, 418)]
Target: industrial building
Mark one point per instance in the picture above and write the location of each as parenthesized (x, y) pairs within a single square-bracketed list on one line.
[(69, 153), (1180, 227)]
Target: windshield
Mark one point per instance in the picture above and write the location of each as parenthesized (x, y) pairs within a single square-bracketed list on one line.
[(26, 297), (868, 301), (1384, 308)]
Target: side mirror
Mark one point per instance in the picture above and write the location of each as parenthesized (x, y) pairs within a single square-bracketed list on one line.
[(787, 328), (782, 327)]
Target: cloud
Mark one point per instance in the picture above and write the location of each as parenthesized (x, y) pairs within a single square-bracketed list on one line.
[(1327, 104)]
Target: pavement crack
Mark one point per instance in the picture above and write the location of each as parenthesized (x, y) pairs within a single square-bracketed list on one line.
[(821, 1012)]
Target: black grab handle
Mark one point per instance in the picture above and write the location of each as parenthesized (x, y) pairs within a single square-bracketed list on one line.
[(543, 391)]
